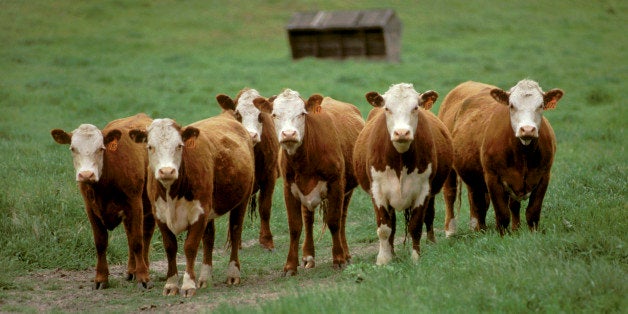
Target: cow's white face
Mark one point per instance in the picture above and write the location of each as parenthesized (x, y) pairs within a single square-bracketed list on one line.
[(165, 149), (401, 104), (87, 148), (289, 117), (249, 115), (526, 102)]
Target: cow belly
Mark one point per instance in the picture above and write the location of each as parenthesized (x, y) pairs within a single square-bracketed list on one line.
[(312, 199), (178, 213), (409, 190)]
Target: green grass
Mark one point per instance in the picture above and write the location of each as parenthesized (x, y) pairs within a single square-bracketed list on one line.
[(64, 63)]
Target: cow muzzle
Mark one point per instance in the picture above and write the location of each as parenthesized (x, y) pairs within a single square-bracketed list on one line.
[(527, 133), (254, 137), (167, 174), (402, 136), (86, 177)]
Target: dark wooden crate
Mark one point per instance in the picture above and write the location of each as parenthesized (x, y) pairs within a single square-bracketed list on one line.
[(373, 34)]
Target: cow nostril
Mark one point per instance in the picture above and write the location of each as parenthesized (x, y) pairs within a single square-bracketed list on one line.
[(402, 133), (86, 176), (527, 130)]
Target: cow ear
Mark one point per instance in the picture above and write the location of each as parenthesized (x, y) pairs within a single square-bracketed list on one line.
[(263, 105), (61, 137), (313, 104), (428, 99), (225, 102), (138, 136), (551, 98), (111, 139), (189, 133), (501, 96), (375, 99)]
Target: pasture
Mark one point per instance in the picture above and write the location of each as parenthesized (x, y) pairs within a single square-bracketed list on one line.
[(63, 63)]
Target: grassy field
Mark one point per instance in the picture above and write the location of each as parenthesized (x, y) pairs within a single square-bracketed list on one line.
[(63, 63)]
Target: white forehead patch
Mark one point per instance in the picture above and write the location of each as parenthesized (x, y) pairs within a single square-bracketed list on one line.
[(526, 93), (289, 102), (250, 113), (402, 94), (87, 138), (162, 131)]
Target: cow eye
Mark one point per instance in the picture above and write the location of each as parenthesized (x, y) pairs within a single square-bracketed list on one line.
[(274, 116), (150, 148), (386, 109), (73, 149), (238, 116), (180, 147), (259, 118), (416, 108)]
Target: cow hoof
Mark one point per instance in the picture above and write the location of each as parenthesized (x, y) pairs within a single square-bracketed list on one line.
[(232, 281), (308, 262), (339, 266), (202, 284), (188, 293), (170, 291), (289, 272), (130, 277), (267, 244), (100, 285), (145, 285)]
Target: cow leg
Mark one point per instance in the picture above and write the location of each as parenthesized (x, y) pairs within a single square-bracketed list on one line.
[(295, 224), (450, 190), (429, 219), (148, 229), (333, 218), (190, 248), (500, 203), (236, 219), (478, 206), (515, 208), (265, 208), (134, 226), (343, 224), (308, 260), (170, 245), (205, 278), (386, 225), (101, 241), (533, 211), (415, 227)]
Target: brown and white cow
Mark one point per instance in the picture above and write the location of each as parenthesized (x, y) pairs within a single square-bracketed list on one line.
[(198, 173), (317, 138), (504, 149), (402, 158), (266, 150), (111, 175)]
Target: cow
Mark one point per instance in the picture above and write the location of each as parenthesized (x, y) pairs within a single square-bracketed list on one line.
[(266, 150), (198, 173), (111, 173), (401, 159), (316, 137), (504, 149)]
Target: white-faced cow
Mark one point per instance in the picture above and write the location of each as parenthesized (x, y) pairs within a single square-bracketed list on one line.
[(198, 173), (504, 149), (111, 175), (402, 158), (266, 150), (317, 137)]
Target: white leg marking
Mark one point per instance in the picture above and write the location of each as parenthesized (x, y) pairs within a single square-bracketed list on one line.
[(206, 276), (385, 250), (473, 223), (188, 283), (451, 229), (233, 271), (415, 255), (309, 261)]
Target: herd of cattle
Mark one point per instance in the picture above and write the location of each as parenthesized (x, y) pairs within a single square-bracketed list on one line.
[(141, 172)]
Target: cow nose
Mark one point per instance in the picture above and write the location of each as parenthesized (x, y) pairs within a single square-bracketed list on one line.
[(527, 131), (254, 137), (288, 135), (167, 173), (86, 176), (402, 134)]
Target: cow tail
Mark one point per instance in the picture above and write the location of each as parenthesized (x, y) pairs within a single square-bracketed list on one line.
[(323, 210), (253, 207), (458, 202), (407, 215)]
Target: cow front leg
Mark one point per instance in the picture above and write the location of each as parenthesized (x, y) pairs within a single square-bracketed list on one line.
[(500, 198), (236, 219), (343, 224), (533, 211), (415, 228), (204, 280), (308, 260), (265, 208), (133, 225), (478, 206), (450, 193), (170, 245), (515, 208), (190, 248), (101, 241), (333, 218), (386, 225), (429, 219), (295, 225)]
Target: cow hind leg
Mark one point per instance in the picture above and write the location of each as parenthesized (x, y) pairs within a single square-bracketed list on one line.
[(205, 278), (429, 220), (236, 219), (265, 208), (343, 224), (415, 227), (478, 206), (450, 192), (515, 208)]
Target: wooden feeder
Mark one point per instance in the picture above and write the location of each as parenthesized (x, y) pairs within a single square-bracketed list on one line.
[(371, 34)]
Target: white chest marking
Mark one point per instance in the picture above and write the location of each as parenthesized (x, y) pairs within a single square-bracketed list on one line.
[(178, 213), (312, 200), (410, 190)]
